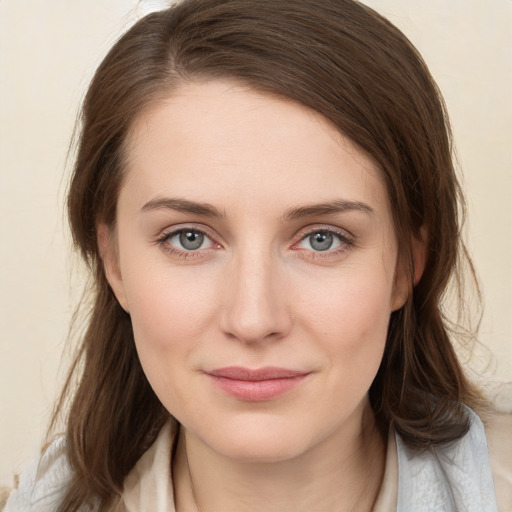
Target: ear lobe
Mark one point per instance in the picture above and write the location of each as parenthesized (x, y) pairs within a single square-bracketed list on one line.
[(403, 286), (110, 259)]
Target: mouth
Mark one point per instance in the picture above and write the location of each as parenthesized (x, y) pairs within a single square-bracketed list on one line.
[(256, 385)]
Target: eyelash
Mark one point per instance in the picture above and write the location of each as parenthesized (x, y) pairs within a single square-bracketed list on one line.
[(163, 241), (346, 242)]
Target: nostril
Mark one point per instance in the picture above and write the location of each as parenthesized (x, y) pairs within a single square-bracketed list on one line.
[(255, 328)]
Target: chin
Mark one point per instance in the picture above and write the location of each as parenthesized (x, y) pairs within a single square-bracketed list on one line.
[(260, 449), (259, 439)]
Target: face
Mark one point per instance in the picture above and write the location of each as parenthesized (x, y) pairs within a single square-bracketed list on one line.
[(255, 253)]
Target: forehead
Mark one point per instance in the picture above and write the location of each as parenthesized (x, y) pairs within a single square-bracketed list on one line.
[(210, 139)]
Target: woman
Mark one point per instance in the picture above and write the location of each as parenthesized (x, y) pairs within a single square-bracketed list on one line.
[(265, 195)]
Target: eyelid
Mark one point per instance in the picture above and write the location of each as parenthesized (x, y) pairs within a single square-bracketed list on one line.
[(326, 228)]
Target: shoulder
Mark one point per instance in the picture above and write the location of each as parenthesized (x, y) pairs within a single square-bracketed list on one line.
[(498, 428), (451, 477), (42, 484)]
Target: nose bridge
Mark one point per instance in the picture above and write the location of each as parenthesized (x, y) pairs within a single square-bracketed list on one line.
[(256, 306)]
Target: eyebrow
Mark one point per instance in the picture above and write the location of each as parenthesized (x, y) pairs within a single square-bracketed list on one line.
[(208, 210), (183, 205), (327, 208)]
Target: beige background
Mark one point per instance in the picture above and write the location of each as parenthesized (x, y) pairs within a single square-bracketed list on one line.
[(48, 52)]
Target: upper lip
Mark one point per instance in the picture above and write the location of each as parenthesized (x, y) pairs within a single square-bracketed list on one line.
[(248, 374)]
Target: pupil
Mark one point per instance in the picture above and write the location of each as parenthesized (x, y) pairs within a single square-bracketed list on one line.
[(191, 240), (321, 241)]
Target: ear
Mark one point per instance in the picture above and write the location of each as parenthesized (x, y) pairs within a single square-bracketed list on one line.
[(403, 286), (419, 253), (110, 258)]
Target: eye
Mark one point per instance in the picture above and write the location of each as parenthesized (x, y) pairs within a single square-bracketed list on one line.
[(321, 241), (188, 240), (324, 240)]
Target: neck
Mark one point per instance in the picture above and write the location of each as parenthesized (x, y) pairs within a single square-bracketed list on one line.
[(341, 474)]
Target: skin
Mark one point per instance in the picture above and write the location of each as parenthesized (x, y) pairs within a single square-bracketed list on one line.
[(257, 293)]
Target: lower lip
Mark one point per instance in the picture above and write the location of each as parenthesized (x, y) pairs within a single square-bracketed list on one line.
[(258, 390)]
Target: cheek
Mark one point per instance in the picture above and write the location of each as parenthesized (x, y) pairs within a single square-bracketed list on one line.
[(170, 312), (167, 326), (351, 319), (357, 301), (163, 317), (166, 304)]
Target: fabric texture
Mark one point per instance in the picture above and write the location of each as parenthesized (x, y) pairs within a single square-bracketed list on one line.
[(40, 487), (454, 478), (149, 485), (498, 428)]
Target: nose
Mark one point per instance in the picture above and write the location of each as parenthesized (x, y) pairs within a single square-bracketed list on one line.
[(256, 306)]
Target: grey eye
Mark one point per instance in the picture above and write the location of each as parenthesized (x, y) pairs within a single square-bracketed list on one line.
[(321, 241), (187, 240), (191, 240)]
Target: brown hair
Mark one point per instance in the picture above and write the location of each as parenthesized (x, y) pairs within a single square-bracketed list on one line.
[(341, 59)]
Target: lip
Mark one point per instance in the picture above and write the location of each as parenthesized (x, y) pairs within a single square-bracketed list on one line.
[(256, 385)]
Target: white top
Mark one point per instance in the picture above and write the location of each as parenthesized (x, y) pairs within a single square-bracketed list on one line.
[(451, 478)]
